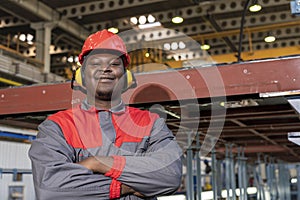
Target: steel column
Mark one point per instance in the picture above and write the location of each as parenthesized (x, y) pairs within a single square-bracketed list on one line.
[(298, 182), (189, 166), (228, 173), (258, 180), (284, 182), (242, 174), (214, 174), (219, 178), (198, 166), (271, 179), (232, 175), (47, 39)]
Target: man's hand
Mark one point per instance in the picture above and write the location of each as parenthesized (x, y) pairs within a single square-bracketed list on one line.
[(128, 190), (102, 164), (99, 164)]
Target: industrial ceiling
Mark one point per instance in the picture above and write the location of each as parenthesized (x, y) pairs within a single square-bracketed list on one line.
[(260, 124)]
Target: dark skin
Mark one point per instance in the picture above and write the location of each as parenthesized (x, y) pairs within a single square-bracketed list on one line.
[(104, 81)]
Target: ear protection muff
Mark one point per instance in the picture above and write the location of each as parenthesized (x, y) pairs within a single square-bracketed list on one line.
[(130, 81), (78, 76)]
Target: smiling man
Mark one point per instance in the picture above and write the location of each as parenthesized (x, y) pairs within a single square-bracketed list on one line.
[(104, 149)]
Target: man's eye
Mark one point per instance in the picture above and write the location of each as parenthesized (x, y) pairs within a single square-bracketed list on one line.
[(116, 63), (95, 64)]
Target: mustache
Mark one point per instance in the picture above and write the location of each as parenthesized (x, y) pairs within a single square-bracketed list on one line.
[(100, 74)]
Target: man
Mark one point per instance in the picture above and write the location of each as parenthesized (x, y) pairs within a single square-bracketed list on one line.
[(103, 149)]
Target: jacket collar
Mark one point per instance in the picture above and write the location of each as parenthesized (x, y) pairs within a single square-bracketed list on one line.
[(120, 108)]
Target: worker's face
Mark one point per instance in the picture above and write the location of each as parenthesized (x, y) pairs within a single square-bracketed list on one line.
[(103, 76)]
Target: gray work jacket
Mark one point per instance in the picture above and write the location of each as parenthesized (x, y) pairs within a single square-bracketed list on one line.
[(154, 171)]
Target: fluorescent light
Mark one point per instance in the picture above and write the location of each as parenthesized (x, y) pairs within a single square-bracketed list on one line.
[(173, 197), (205, 46), (71, 59), (167, 46), (208, 195), (142, 19), (181, 45), (113, 30), (149, 25), (151, 19), (270, 38), (22, 37), (177, 20), (294, 137), (255, 8), (174, 45), (251, 190), (29, 37), (134, 20)]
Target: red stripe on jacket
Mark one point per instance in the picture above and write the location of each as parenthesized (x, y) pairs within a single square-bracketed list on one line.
[(81, 128)]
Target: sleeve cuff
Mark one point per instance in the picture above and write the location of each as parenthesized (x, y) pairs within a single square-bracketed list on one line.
[(115, 189), (117, 168)]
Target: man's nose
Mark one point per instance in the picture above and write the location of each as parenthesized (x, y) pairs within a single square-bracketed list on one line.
[(105, 67)]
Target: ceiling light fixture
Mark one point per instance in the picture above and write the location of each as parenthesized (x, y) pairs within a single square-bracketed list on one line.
[(270, 38), (174, 45), (151, 18), (181, 45), (22, 37), (142, 19), (255, 7), (29, 37), (113, 30), (134, 20), (205, 46), (177, 20), (167, 46), (149, 25)]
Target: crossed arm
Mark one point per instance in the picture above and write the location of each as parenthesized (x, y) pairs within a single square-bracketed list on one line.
[(157, 172)]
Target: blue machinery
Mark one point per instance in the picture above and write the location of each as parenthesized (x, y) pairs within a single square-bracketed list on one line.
[(18, 136), (232, 178), (17, 173)]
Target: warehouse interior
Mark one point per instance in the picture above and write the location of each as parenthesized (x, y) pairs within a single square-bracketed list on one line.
[(230, 96)]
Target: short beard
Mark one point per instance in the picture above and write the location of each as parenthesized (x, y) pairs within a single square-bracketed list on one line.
[(104, 96)]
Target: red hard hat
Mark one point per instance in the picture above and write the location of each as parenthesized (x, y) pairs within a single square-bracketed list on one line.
[(104, 40)]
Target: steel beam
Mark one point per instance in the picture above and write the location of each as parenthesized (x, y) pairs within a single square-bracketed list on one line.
[(100, 7), (51, 15), (189, 83), (8, 21)]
